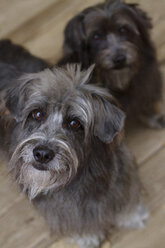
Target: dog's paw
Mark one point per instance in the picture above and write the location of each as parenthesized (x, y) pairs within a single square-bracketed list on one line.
[(157, 121), (136, 219), (160, 121), (92, 241)]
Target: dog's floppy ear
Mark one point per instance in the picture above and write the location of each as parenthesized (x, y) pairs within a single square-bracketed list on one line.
[(16, 96), (9, 85), (109, 121), (12, 102), (74, 34)]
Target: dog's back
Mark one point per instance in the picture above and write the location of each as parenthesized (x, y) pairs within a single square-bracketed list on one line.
[(19, 57), (16, 60)]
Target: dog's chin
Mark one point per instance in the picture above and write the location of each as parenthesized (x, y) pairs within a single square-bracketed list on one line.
[(119, 67), (35, 178), (34, 181), (111, 67), (119, 77), (41, 167)]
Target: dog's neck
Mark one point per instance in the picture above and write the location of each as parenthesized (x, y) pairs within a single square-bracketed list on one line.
[(114, 80), (99, 165)]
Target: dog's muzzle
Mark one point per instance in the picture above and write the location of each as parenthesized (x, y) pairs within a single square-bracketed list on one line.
[(119, 61), (42, 155)]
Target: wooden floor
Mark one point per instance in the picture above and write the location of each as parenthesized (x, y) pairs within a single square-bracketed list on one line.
[(38, 25)]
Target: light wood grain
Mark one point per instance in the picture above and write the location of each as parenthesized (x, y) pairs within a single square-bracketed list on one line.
[(38, 25), (15, 13), (8, 196), (21, 226)]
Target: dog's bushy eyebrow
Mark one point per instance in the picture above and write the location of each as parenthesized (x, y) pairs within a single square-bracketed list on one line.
[(132, 8), (39, 102), (37, 85), (120, 21), (141, 15), (71, 75), (135, 12), (81, 107)]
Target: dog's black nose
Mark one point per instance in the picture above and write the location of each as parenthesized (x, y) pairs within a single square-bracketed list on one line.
[(119, 60), (43, 154)]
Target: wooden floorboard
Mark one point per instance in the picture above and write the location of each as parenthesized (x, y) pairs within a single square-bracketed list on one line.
[(15, 13), (8, 196), (38, 25)]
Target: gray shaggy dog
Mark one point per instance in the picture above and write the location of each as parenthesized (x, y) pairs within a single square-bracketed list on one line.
[(115, 36), (63, 140)]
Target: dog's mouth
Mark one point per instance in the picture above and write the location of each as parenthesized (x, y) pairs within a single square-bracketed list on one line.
[(111, 66), (45, 167), (40, 167), (119, 67)]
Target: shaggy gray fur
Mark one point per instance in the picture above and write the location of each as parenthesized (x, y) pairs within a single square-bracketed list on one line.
[(89, 182)]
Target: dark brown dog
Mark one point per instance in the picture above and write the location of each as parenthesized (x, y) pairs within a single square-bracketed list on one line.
[(115, 37)]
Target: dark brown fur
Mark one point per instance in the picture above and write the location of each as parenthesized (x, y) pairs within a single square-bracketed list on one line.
[(103, 33)]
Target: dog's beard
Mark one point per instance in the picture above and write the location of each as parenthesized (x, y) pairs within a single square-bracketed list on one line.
[(33, 181)]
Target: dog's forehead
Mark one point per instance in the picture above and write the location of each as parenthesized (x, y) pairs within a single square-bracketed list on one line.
[(60, 89), (94, 19), (57, 83), (52, 85), (104, 18)]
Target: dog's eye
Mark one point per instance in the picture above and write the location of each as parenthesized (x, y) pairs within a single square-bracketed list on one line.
[(37, 115), (123, 30), (74, 124), (96, 37)]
